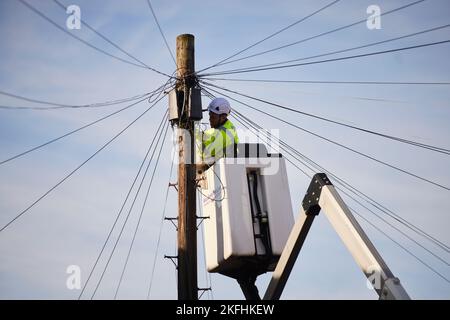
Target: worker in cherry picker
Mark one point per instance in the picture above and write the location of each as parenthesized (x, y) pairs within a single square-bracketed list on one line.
[(221, 139), (217, 142)]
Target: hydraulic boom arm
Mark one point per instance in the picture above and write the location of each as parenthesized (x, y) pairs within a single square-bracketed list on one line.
[(321, 194)]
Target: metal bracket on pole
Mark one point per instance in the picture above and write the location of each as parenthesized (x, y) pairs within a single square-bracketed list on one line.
[(203, 290), (173, 185), (322, 195), (172, 259), (171, 220), (201, 220)]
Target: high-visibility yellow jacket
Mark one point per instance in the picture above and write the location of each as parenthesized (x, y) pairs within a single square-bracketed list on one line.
[(216, 142)]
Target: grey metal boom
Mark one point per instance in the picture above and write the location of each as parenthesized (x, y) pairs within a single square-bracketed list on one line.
[(322, 195)]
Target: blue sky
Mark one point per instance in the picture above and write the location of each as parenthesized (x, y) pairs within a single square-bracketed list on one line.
[(69, 226)]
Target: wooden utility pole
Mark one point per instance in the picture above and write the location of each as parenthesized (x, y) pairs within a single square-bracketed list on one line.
[(187, 219)]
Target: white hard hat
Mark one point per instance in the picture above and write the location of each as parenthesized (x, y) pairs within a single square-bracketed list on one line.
[(219, 106)]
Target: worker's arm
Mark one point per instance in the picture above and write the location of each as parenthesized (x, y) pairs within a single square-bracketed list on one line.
[(213, 145), (206, 148)]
